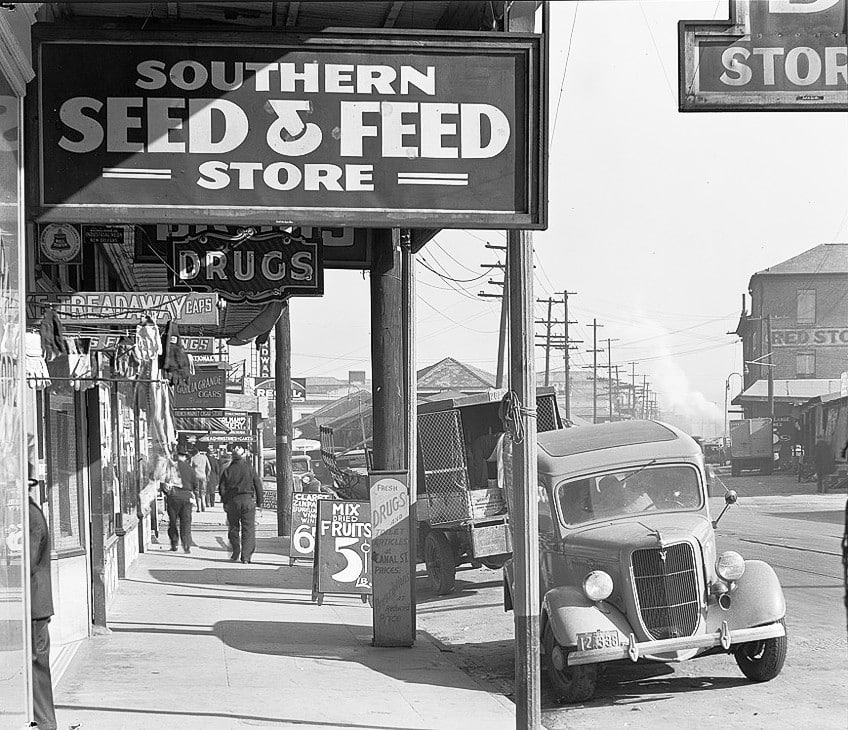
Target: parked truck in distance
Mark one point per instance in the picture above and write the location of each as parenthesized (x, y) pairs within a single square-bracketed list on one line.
[(751, 445)]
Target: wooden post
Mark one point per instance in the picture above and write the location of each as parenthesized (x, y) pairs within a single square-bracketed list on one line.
[(409, 291), (526, 599), (283, 420), (98, 546), (390, 320)]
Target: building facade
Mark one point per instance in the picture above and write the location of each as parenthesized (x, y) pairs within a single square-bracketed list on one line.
[(801, 304)]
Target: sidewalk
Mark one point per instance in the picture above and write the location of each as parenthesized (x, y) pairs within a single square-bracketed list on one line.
[(199, 642)]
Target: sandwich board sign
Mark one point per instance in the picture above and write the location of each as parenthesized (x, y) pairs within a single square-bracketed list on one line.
[(342, 549), (771, 55), (304, 515)]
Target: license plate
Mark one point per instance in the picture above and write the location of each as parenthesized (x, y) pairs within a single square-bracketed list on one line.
[(598, 640)]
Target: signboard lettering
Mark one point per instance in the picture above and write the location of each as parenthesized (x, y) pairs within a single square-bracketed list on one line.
[(343, 547), (390, 517), (121, 308), (204, 389), (817, 337), (780, 54), (259, 268), (440, 131), (304, 515)]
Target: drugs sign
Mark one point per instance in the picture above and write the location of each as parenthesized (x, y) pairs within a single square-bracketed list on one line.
[(343, 547), (330, 128), (770, 55)]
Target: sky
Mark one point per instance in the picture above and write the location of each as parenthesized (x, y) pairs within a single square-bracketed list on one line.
[(657, 219)]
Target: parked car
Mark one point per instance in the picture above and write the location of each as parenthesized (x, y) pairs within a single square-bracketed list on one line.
[(629, 563)]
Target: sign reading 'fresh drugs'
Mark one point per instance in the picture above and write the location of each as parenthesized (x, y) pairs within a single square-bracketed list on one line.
[(331, 128)]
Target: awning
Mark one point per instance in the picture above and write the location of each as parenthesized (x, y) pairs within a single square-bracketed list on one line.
[(799, 390)]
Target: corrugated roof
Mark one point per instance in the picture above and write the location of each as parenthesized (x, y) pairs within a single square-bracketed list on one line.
[(826, 258), (800, 390)]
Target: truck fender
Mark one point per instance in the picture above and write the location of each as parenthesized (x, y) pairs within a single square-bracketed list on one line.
[(756, 600), (569, 613)]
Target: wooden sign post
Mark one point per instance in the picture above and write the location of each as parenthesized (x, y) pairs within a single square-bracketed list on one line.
[(391, 557), (342, 549)]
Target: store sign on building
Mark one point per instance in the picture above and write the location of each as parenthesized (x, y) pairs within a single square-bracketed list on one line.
[(817, 337), (340, 129), (205, 388), (265, 359), (248, 266), (770, 55), (120, 309)]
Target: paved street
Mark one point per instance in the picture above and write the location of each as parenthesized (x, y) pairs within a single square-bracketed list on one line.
[(777, 520)]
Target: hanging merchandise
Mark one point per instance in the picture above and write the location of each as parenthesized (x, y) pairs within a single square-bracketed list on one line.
[(148, 346), (79, 364), (124, 361), (174, 361), (53, 342), (38, 377)]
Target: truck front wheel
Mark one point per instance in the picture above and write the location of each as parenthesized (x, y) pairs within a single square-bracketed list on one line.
[(761, 661), (570, 684)]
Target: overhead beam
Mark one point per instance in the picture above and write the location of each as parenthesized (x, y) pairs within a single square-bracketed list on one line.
[(291, 14), (392, 15)]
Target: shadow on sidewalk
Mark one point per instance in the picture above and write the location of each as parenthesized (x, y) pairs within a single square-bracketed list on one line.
[(185, 716)]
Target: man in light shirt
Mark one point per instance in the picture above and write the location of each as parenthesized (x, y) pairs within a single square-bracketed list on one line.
[(202, 469)]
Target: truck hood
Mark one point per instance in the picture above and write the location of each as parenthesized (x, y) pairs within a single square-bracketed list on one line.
[(607, 539)]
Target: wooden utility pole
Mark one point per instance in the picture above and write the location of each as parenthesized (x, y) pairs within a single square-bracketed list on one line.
[(644, 396), (500, 377), (617, 393), (567, 355), (594, 352), (770, 367), (548, 343), (609, 372), (283, 419), (526, 599)]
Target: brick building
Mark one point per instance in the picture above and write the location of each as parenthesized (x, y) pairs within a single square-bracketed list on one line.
[(803, 303)]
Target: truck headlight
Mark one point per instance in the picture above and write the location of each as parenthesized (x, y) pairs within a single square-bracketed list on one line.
[(730, 566), (597, 585)]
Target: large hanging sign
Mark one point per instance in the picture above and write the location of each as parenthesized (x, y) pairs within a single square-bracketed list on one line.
[(121, 309), (363, 130), (771, 55), (248, 266)]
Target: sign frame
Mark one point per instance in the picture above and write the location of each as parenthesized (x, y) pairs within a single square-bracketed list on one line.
[(528, 211), (691, 98), (299, 520), (321, 584)]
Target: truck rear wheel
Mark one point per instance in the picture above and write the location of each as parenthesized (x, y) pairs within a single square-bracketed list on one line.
[(439, 558)]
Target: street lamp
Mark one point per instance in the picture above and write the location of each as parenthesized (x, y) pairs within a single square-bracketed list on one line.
[(726, 393)]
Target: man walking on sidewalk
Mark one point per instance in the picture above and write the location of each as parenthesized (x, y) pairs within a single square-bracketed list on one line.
[(202, 469), (241, 490), (178, 500)]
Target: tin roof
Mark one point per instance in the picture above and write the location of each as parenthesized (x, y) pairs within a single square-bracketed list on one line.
[(826, 258), (797, 390)]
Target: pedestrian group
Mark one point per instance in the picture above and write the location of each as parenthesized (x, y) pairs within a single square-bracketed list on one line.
[(191, 484)]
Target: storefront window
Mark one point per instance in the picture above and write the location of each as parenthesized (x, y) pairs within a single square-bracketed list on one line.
[(14, 656), (64, 470), (128, 457)]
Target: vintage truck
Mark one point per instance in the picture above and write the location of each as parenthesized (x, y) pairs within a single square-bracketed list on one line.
[(751, 445), (629, 566)]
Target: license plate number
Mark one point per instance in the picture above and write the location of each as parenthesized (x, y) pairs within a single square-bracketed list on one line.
[(598, 640)]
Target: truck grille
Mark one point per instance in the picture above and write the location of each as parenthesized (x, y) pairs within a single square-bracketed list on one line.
[(666, 582)]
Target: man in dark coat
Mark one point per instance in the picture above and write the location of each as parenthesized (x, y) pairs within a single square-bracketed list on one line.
[(241, 490), (214, 476), (41, 609), (825, 462)]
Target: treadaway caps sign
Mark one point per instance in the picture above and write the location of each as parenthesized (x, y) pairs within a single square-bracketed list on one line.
[(377, 130)]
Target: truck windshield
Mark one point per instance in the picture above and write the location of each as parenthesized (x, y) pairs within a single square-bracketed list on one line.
[(628, 492)]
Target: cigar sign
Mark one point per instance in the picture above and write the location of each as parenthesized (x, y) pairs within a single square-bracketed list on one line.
[(357, 129), (770, 55)]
